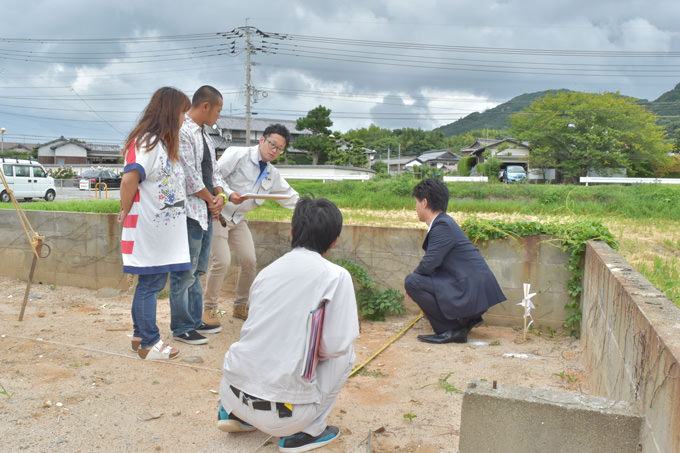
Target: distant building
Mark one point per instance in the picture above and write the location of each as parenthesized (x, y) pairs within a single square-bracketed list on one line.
[(507, 150), (18, 148), (231, 131), (63, 151), (439, 158)]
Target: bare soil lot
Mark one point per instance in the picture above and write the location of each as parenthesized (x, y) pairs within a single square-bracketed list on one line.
[(70, 382)]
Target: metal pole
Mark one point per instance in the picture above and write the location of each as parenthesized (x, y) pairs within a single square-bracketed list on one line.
[(2, 132), (248, 87)]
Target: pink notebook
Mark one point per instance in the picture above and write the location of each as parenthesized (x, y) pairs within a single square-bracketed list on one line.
[(315, 328)]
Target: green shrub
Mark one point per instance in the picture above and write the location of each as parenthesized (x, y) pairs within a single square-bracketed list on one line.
[(372, 302), (465, 165), (61, 173)]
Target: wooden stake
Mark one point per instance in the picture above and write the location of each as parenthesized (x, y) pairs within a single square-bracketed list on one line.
[(38, 249)]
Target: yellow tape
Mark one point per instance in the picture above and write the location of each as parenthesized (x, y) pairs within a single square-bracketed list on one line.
[(354, 371)]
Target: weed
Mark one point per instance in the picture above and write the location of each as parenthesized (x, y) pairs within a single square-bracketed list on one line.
[(410, 416), (565, 376), (444, 383), (495, 343), (372, 302), (163, 294), (373, 373), (3, 391)]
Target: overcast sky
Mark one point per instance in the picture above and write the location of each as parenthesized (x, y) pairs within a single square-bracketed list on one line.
[(85, 69)]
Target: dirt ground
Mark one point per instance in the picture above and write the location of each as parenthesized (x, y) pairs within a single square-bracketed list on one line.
[(69, 381)]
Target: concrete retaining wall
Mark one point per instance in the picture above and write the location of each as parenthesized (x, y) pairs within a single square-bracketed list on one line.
[(509, 419), (631, 341), (86, 252)]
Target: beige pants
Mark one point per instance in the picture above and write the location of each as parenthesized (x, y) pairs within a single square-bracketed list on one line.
[(234, 238)]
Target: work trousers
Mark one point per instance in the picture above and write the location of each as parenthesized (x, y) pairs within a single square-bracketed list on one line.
[(234, 238), (331, 375)]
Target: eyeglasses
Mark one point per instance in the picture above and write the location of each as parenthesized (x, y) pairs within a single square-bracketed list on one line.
[(273, 145)]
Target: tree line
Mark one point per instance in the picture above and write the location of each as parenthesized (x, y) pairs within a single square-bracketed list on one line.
[(572, 132)]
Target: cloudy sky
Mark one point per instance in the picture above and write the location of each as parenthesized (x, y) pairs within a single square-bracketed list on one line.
[(85, 69)]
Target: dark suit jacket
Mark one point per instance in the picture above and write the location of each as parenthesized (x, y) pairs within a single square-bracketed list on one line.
[(463, 283)]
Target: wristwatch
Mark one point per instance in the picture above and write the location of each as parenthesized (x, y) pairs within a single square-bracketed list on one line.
[(224, 197)]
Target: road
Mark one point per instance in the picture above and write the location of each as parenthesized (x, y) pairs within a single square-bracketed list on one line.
[(74, 193)]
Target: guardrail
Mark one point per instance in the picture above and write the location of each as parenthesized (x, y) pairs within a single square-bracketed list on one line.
[(623, 180), (466, 178), (327, 177)]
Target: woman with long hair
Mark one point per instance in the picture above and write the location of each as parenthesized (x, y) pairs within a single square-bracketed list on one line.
[(154, 239)]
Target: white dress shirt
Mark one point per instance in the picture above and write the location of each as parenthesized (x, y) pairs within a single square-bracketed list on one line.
[(240, 169)]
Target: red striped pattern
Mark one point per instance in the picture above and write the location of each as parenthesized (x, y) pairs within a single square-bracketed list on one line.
[(130, 221), (126, 247), (131, 155)]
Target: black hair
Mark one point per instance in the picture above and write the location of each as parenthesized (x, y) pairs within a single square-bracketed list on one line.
[(316, 224), (435, 192), (277, 129), (206, 94)]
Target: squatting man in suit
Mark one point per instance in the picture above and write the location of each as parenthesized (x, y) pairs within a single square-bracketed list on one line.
[(452, 285)]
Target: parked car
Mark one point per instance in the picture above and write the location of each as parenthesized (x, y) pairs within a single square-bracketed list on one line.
[(87, 179), (512, 173), (26, 179)]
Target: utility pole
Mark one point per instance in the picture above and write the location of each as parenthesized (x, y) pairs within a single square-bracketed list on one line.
[(248, 86), (388, 160), (399, 160)]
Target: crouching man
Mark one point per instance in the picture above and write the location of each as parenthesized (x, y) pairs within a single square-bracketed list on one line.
[(264, 384), (452, 285)]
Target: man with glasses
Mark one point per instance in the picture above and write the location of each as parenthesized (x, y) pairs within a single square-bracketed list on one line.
[(246, 170)]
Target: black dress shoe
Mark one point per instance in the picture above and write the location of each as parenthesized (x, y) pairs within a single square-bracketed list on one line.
[(473, 322), (449, 336)]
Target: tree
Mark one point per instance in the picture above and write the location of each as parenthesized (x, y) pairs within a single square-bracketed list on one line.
[(350, 153), (319, 143), (575, 132)]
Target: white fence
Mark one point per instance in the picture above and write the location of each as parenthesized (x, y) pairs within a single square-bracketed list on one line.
[(466, 178), (622, 180)]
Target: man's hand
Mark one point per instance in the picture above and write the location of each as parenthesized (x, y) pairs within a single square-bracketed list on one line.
[(215, 206), (236, 198)]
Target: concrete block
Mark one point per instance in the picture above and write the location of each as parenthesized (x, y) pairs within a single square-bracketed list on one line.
[(516, 419)]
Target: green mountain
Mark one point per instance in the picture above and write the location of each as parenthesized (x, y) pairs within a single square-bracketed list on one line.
[(667, 106), (495, 118)]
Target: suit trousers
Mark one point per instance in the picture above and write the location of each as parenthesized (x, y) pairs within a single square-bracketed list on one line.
[(420, 288), (236, 238)]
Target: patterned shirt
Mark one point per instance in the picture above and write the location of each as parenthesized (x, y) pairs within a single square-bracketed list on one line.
[(191, 139), (154, 237)]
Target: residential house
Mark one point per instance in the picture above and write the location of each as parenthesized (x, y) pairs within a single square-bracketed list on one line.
[(231, 131), (24, 148), (440, 158), (63, 151), (507, 150), (510, 152)]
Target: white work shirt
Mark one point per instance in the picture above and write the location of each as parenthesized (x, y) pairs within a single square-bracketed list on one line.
[(240, 170), (268, 360)]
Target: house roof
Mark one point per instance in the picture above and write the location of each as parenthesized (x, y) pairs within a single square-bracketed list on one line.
[(439, 155), (256, 124), (92, 148), (399, 160), (482, 143)]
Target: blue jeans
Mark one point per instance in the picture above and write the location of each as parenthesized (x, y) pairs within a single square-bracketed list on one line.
[(186, 290), (144, 307)]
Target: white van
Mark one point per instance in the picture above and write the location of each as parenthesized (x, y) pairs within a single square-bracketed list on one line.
[(27, 179)]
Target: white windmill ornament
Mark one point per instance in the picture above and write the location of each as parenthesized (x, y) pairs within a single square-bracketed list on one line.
[(528, 306)]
